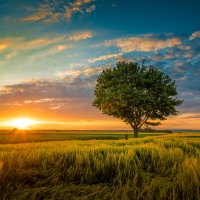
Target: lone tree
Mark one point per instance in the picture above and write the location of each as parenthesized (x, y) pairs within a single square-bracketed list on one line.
[(138, 95)]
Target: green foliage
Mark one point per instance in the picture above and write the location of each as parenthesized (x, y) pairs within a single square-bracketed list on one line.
[(136, 94), (148, 168)]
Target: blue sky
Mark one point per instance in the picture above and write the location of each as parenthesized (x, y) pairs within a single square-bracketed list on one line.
[(52, 51)]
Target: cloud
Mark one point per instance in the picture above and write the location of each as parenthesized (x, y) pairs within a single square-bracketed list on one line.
[(145, 44), (53, 18), (194, 116), (3, 45), (56, 107), (58, 10), (41, 42), (70, 10), (170, 56), (157, 57), (52, 51), (90, 9), (19, 43), (67, 98), (85, 72), (188, 55), (43, 11), (37, 101), (81, 35), (195, 35), (62, 47), (43, 90), (184, 47), (7, 42), (102, 58), (10, 55)]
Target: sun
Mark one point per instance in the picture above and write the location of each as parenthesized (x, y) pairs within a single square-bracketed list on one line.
[(22, 122)]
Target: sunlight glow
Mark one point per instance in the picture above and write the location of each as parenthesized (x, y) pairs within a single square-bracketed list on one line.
[(22, 122)]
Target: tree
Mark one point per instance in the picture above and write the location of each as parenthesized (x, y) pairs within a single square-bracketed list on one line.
[(136, 94)]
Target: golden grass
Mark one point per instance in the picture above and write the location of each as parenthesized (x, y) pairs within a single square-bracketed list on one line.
[(165, 167)]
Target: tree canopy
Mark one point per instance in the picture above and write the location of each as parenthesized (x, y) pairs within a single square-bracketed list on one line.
[(136, 94)]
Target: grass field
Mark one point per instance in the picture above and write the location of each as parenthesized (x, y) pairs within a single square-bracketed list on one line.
[(24, 136), (152, 167)]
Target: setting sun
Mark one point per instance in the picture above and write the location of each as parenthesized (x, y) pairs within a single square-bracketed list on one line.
[(22, 122)]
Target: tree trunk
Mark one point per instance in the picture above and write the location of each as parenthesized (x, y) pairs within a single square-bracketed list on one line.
[(135, 132)]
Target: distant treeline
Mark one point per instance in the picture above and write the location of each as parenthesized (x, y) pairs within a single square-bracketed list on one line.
[(150, 130)]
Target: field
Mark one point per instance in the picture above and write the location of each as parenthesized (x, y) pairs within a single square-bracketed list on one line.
[(156, 166), (24, 136)]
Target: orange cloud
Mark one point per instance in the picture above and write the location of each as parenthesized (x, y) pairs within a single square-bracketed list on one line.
[(188, 55), (103, 57), (184, 47), (54, 50), (47, 13), (43, 11), (10, 55), (90, 9), (143, 44), (170, 55), (156, 57), (86, 72), (81, 36), (21, 43), (4, 43), (53, 18), (195, 35), (40, 42), (3, 46)]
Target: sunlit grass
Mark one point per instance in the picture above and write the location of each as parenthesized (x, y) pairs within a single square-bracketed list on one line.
[(24, 136), (146, 168)]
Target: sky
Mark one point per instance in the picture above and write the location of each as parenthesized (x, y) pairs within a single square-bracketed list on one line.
[(52, 52)]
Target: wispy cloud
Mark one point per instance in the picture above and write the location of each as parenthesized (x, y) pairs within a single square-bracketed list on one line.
[(81, 35), (37, 101), (10, 55), (195, 35), (157, 57), (52, 51), (184, 47), (38, 96), (42, 12), (90, 9), (57, 10), (145, 44), (41, 42), (42, 90), (188, 54), (85, 72), (194, 116), (104, 57), (3, 45), (20, 43), (171, 55)]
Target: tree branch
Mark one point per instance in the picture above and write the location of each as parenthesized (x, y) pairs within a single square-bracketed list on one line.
[(145, 119)]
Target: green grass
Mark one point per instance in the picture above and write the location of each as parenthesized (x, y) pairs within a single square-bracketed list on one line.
[(159, 167), (23, 136)]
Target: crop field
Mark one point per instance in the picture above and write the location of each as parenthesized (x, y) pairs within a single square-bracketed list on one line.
[(165, 166), (24, 136)]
